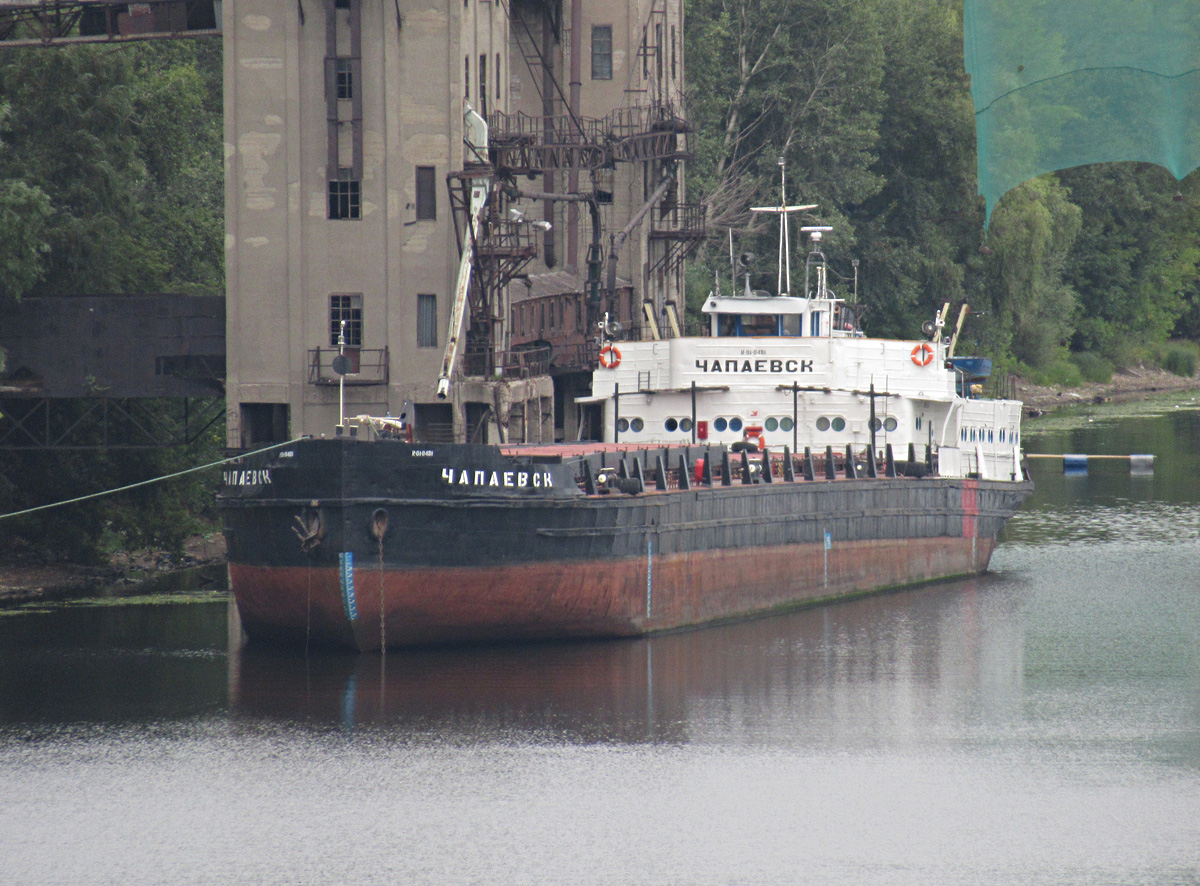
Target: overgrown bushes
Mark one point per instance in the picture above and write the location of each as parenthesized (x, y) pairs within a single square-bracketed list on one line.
[(1180, 358)]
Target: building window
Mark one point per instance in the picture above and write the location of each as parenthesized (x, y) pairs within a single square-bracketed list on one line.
[(426, 193), (264, 423), (467, 78), (497, 75), (427, 336), (483, 93), (602, 52), (344, 199), (348, 309), (658, 51), (673, 73), (345, 78)]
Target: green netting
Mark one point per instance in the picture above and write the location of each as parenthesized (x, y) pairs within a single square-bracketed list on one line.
[(1060, 83)]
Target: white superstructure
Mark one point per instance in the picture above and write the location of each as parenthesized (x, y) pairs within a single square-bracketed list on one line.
[(792, 371)]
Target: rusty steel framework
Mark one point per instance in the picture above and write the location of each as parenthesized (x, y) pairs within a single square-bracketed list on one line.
[(521, 144), (504, 247), (56, 22), (106, 422), (526, 145), (557, 146)]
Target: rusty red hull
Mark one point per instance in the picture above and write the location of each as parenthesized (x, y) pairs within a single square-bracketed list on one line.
[(364, 545), (573, 600)]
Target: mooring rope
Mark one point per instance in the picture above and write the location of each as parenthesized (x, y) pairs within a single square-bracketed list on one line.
[(214, 464)]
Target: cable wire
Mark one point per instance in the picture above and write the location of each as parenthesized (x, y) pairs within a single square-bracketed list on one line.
[(215, 464)]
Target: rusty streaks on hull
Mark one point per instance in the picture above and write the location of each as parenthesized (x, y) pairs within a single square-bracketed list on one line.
[(563, 600)]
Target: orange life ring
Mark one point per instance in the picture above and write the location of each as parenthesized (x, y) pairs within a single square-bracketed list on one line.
[(610, 357), (922, 354), (755, 436)]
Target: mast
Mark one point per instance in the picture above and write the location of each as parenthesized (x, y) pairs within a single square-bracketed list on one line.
[(783, 211)]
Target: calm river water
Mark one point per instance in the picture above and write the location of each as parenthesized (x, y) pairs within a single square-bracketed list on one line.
[(1038, 725)]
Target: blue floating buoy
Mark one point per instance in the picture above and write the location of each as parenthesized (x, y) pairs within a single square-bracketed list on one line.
[(1075, 464)]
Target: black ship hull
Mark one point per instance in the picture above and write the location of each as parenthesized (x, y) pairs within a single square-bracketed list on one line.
[(369, 544)]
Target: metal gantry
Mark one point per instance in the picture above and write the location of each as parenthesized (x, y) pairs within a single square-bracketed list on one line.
[(55, 22)]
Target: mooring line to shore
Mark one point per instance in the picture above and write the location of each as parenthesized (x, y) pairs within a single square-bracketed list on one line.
[(210, 465)]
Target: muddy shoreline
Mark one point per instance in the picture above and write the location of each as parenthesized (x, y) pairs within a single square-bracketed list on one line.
[(1126, 386), (201, 567)]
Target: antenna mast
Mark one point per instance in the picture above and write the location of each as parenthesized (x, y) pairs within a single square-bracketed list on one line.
[(783, 210)]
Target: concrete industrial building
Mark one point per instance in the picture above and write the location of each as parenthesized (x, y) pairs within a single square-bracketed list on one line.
[(349, 178)]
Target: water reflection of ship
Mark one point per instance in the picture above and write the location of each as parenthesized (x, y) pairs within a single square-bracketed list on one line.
[(875, 666)]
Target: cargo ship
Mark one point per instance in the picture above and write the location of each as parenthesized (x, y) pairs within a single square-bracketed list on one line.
[(783, 458)]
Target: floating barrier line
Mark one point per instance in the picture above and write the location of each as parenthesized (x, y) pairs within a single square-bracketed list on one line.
[(1076, 463), (1088, 457), (215, 464)]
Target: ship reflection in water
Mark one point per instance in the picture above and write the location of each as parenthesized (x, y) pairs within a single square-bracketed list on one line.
[(1035, 725), (868, 671)]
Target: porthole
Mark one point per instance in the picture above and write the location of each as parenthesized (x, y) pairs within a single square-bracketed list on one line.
[(786, 424), (838, 423), (876, 424), (622, 425), (636, 425), (719, 425), (822, 424), (890, 424), (735, 424), (671, 424), (685, 425), (771, 424)]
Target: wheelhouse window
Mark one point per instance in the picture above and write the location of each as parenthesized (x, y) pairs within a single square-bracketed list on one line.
[(344, 198), (760, 324), (602, 49)]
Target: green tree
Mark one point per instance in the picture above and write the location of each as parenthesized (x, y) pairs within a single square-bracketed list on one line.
[(178, 124), (918, 235), (1032, 307), (769, 79), (126, 147), (1131, 264)]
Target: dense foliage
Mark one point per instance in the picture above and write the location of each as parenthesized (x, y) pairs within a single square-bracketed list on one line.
[(111, 182), (110, 161), (868, 103)]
